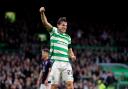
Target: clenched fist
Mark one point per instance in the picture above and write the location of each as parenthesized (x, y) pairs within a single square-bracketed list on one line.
[(42, 9)]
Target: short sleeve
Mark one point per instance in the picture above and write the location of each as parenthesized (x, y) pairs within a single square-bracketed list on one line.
[(69, 40), (70, 43), (50, 64), (54, 30)]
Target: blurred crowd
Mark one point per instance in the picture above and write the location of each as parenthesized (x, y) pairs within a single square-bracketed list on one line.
[(18, 72), (19, 69), (15, 34)]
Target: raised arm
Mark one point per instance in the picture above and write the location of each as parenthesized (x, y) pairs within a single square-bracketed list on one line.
[(46, 24)]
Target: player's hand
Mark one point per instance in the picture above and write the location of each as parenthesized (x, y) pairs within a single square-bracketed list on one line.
[(46, 82), (73, 58), (42, 9)]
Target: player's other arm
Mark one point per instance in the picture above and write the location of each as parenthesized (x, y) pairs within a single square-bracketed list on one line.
[(44, 20), (71, 54), (39, 78)]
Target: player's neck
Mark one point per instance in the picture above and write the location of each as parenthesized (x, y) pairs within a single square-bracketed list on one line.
[(60, 32)]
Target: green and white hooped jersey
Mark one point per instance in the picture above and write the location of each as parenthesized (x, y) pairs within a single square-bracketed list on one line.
[(59, 45)]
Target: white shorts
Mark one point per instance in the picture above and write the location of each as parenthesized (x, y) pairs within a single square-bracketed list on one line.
[(43, 86), (61, 70)]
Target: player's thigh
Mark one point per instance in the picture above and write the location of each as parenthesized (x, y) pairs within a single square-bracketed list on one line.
[(67, 73), (55, 74)]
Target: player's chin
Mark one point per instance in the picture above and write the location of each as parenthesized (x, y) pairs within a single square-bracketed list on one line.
[(63, 31)]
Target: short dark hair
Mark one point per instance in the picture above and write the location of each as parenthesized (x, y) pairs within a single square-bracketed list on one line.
[(45, 50), (62, 19)]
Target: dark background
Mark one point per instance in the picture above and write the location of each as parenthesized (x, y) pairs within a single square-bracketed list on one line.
[(81, 11)]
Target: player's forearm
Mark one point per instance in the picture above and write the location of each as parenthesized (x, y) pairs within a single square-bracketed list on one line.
[(43, 18), (71, 53), (40, 75), (45, 22)]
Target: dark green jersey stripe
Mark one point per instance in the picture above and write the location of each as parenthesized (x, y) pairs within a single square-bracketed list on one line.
[(60, 55), (58, 48)]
